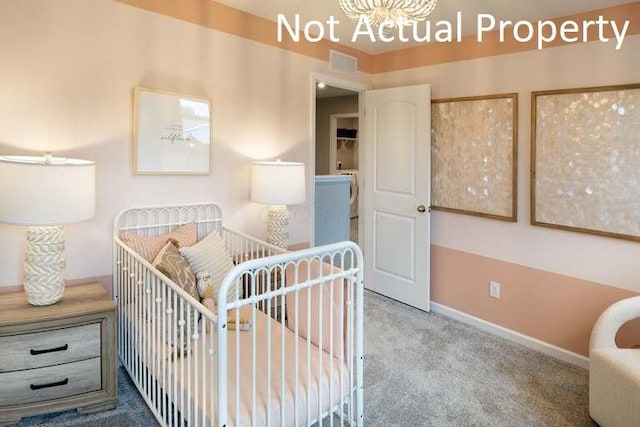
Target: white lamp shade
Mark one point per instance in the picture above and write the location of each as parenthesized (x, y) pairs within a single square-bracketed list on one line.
[(278, 183), (35, 191)]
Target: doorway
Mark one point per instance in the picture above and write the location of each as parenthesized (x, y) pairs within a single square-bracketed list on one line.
[(394, 187), (344, 146), (337, 145)]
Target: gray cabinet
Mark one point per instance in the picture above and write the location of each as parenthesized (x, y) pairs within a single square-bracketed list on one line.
[(332, 208)]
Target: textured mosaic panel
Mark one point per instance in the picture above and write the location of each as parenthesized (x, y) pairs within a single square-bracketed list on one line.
[(587, 165), (472, 155)]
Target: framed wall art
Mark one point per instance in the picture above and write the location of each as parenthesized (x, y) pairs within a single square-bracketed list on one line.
[(171, 133), (474, 153), (585, 157)]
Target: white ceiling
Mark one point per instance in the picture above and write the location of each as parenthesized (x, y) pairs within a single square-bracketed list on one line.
[(513, 10)]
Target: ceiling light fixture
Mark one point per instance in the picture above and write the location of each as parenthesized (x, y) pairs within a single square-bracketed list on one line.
[(322, 85), (391, 12)]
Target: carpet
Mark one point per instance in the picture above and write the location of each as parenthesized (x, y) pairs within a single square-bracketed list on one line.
[(424, 369)]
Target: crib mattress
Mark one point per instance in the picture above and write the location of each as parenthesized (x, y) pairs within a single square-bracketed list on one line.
[(319, 380)]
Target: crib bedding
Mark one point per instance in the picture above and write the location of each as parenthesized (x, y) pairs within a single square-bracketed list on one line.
[(319, 376)]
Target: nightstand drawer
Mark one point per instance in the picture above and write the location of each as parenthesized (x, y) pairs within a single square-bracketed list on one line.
[(53, 382), (40, 349)]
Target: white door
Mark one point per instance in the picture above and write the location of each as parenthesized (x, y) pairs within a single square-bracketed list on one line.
[(397, 193)]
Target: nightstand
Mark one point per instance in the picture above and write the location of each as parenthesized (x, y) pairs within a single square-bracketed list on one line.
[(57, 357)]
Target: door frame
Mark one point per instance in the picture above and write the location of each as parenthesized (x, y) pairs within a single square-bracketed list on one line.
[(343, 83), (333, 139)]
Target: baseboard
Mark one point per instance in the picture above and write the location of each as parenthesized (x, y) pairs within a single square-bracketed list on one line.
[(517, 337)]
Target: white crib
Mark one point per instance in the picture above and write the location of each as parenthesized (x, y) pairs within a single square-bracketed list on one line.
[(300, 363)]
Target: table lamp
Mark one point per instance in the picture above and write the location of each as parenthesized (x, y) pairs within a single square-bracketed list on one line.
[(278, 184), (44, 193)]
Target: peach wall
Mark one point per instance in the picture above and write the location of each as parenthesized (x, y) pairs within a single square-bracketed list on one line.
[(470, 48), (554, 283), (215, 15), (553, 308), (68, 69)]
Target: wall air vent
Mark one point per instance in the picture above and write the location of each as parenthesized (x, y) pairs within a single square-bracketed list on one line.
[(342, 62)]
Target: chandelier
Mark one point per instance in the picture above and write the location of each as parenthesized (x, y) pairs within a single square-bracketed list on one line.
[(390, 12)]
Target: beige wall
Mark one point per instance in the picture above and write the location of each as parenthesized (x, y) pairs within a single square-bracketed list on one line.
[(510, 252), (68, 68), (324, 108)]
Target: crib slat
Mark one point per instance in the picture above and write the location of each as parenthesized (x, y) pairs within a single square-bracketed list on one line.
[(331, 353), (137, 321), (203, 376), (359, 346), (343, 356), (197, 375), (131, 310), (214, 388), (237, 368), (182, 324), (308, 344), (162, 308), (189, 370), (268, 274), (296, 309), (154, 342), (283, 358), (147, 330), (320, 345), (174, 328), (253, 353), (351, 338)]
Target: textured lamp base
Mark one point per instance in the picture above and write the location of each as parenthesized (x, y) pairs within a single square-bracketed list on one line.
[(277, 226), (44, 265)]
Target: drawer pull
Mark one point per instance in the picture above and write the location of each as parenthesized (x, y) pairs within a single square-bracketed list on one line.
[(59, 383), (49, 350)]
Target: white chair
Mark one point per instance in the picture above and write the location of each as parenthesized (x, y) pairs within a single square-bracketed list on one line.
[(614, 376)]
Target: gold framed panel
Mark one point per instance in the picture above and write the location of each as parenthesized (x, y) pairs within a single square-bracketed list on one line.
[(171, 133), (585, 152), (474, 156)]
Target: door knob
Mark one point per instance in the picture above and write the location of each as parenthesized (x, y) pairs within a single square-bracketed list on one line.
[(422, 208)]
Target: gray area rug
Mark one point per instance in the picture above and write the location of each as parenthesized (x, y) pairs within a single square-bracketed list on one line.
[(424, 369)]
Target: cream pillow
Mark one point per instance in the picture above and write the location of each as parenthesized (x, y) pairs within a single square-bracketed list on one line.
[(211, 255), (148, 247)]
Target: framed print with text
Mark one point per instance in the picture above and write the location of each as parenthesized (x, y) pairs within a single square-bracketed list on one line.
[(171, 133)]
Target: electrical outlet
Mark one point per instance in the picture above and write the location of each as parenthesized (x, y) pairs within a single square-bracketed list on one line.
[(494, 289)]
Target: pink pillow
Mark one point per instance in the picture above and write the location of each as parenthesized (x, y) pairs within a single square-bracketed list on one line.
[(149, 246)]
